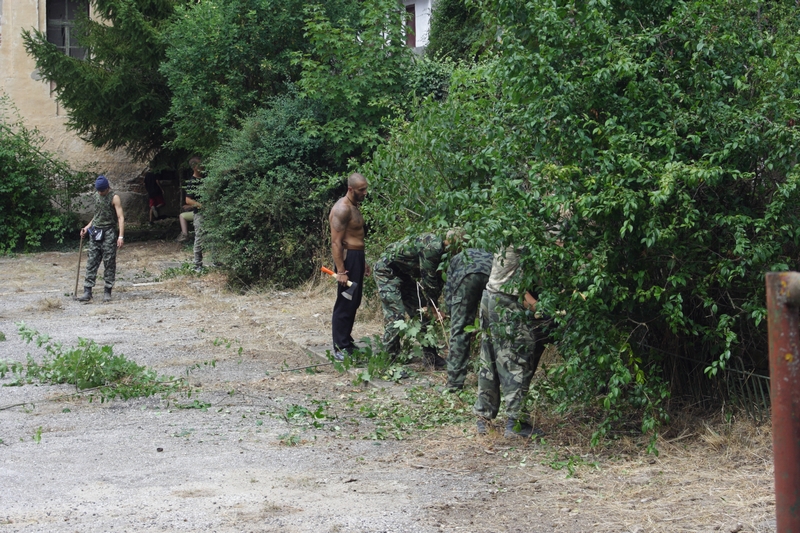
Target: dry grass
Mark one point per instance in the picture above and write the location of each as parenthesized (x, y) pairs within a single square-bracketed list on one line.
[(714, 476), (46, 305)]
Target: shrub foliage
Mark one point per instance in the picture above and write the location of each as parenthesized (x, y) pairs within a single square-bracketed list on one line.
[(263, 216), (645, 155), (36, 188)]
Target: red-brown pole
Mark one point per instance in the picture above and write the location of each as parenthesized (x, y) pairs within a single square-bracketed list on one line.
[(783, 300)]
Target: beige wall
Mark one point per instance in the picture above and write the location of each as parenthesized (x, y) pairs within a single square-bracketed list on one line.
[(38, 107)]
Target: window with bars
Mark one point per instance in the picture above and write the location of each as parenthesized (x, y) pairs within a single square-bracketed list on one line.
[(61, 15)]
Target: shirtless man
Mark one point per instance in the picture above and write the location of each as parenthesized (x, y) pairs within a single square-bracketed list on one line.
[(347, 248)]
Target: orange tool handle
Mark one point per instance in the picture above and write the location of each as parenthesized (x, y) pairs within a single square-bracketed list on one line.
[(332, 273)]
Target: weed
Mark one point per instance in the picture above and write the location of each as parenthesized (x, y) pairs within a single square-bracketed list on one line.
[(571, 463), (318, 416), (414, 336), (2, 336), (290, 439), (212, 363), (186, 269), (37, 436), (378, 434), (88, 366), (378, 362), (197, 404)]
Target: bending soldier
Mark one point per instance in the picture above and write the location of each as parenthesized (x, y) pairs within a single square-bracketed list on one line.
[(513, 342), (467, 276), (396, 275)]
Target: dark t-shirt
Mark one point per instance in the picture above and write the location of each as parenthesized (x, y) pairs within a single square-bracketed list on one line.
[(151, 184)]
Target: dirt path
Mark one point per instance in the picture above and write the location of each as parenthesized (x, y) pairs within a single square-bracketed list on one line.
[(242, 454)]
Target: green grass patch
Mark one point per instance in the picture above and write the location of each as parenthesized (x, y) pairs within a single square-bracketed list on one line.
[(90, 367)]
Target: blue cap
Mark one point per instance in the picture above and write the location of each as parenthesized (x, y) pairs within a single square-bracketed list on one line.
[(101, 184)]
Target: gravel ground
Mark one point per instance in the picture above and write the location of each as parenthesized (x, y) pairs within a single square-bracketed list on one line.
[(68, 464)]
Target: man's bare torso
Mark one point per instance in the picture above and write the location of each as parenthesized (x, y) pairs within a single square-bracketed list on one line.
[(346, 216)]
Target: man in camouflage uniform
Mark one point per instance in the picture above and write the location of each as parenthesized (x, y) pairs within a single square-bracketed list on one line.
[(467, 276), (396, 274), (513, 342), (107, 215)]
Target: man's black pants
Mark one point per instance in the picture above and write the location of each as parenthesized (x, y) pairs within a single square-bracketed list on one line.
[(344, 310)]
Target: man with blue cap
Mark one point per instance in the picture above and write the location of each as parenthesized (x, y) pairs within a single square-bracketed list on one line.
[(103, 239)]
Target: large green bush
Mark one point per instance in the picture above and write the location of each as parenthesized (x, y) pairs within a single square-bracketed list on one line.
[(36, 188), (264, 216), (646, 156), (356, 72), (435, 164)]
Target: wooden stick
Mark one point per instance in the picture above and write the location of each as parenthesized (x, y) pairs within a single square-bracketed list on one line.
[(78, 275)]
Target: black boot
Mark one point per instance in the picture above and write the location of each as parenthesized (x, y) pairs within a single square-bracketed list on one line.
[(87, 295), (107, 294), (431, 358)]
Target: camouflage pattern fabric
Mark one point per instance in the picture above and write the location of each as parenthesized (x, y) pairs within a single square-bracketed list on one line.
[(467, 276), (513, 342), (105, 214), (396, 272), (199, 238), (105, 251)]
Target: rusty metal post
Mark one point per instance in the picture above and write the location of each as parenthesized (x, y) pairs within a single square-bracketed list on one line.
[(783, 300)]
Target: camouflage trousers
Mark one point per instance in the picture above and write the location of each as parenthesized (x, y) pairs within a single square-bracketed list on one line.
[(105, 251), (399, 297), (463, 307), (199, 238), (513, 342)]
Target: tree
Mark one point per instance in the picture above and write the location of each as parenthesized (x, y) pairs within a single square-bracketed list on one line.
[(116, 97), (227, 58), (457, 31), (356, 72)]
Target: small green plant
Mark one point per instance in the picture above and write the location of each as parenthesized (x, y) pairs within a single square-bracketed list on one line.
[(378, 362), (222, 341), (2, 336), (186, 269), (318, 416), (414, 337), (210, 363), (571, 463), (290, 439), (88, 366), (37, 436), (423, 409)]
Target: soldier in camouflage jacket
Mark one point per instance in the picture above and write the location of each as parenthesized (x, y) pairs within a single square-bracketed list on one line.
[(467, 276), (415, 258)]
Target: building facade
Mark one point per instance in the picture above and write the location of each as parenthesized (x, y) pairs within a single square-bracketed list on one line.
[(35, 99), (419, 23)]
